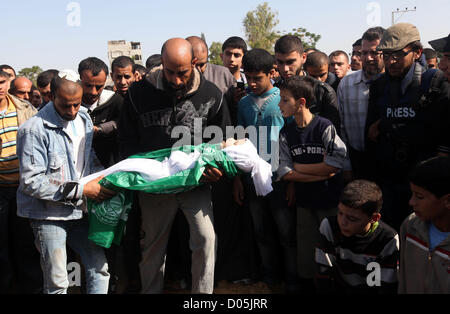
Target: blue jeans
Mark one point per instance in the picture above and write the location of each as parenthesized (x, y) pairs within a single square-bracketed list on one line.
[(51, 238), (275, 232)]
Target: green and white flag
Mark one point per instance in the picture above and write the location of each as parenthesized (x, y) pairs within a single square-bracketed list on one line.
[(167, 171)]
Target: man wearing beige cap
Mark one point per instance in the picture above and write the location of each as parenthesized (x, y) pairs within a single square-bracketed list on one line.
[(442, 45), (406, 119)]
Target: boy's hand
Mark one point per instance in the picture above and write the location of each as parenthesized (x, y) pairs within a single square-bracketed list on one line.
[(211, 174), (238, 191), (94, 191), (238, 94)]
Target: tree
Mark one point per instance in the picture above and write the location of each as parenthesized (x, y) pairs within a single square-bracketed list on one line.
[(309, 40), (214, 53), (260, 30), (260, 26), (31, 73)]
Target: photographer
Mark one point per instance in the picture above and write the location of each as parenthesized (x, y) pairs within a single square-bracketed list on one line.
[(405, 120)]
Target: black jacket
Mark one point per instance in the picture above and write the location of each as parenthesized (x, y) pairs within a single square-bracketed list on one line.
[(106, 117), (153, 119), (413, 125)]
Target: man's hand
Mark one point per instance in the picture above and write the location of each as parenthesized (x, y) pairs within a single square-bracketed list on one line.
[(238, 191), (290, 193), (94, 191), (374, 132), (211, 174)]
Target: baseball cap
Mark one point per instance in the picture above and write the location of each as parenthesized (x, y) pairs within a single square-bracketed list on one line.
[(398, 36), (441, 44)]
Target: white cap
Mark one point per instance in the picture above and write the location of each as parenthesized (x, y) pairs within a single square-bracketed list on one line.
[(69, 75)]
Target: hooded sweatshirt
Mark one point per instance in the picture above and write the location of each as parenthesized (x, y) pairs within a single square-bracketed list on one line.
[(153, 118)]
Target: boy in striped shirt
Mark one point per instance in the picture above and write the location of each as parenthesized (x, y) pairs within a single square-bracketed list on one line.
[(357, 253)]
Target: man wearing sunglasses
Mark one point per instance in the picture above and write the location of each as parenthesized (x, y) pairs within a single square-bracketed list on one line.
[(406, 117)]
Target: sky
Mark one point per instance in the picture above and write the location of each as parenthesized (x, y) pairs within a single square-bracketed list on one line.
[(38, 32)]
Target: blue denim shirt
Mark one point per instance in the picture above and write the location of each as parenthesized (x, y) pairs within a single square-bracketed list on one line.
[(49, 186)]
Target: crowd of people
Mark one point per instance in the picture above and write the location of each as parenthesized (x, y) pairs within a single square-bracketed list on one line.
[(359, 147)]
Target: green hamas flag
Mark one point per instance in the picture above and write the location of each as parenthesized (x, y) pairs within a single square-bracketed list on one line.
[(108, 219)]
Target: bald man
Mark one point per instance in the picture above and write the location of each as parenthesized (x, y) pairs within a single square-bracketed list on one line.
[(172, 102), (55, 151), (217, 74), (21, 88)]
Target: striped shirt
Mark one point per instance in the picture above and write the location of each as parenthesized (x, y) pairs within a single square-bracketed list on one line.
[(344, 263), (353, 100), (9, 163)]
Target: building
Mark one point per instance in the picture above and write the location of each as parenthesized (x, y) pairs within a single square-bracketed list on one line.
[(117, 48)]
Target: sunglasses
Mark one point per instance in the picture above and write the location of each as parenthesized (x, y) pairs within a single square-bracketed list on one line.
[(396, 55)]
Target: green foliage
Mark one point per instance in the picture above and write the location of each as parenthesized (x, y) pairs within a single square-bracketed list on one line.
[(31, 73), (214, 53), (309, 39), (260, 26), (260, 30)]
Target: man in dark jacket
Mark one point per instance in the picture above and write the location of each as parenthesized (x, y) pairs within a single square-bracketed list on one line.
[(406, 119), (290, 58), (170, 102), (104, 107)]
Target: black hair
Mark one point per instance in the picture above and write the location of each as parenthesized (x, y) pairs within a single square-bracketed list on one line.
[(316, 60), (429, 53), (339, 53), (364, 195), (300, 87), (257, 60), (45, 78), (288, 43), (415, 45), (4, 74), (357, 43), (432, 175), (235, 42), (8, 67), (122, 62), (153, 61), (93, 64), (373, 33), (140, 68)]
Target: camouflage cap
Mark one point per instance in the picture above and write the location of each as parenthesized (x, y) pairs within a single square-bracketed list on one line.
[(441, 44), (398, 36)]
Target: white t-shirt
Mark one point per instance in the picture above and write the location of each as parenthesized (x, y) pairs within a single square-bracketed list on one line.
[(77, 133)]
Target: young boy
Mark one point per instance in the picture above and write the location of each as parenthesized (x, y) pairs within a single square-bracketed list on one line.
[(352, 240), (311, 155), (425, 234), (271, 215)]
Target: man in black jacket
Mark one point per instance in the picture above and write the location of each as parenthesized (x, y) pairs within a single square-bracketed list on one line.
[(104, 108), (290, 59), (170, 102), (406, 118)]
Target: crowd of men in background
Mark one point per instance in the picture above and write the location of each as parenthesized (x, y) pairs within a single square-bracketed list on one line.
[(348, 131)]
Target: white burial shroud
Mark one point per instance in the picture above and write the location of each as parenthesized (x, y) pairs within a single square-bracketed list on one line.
[(244, 156)]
